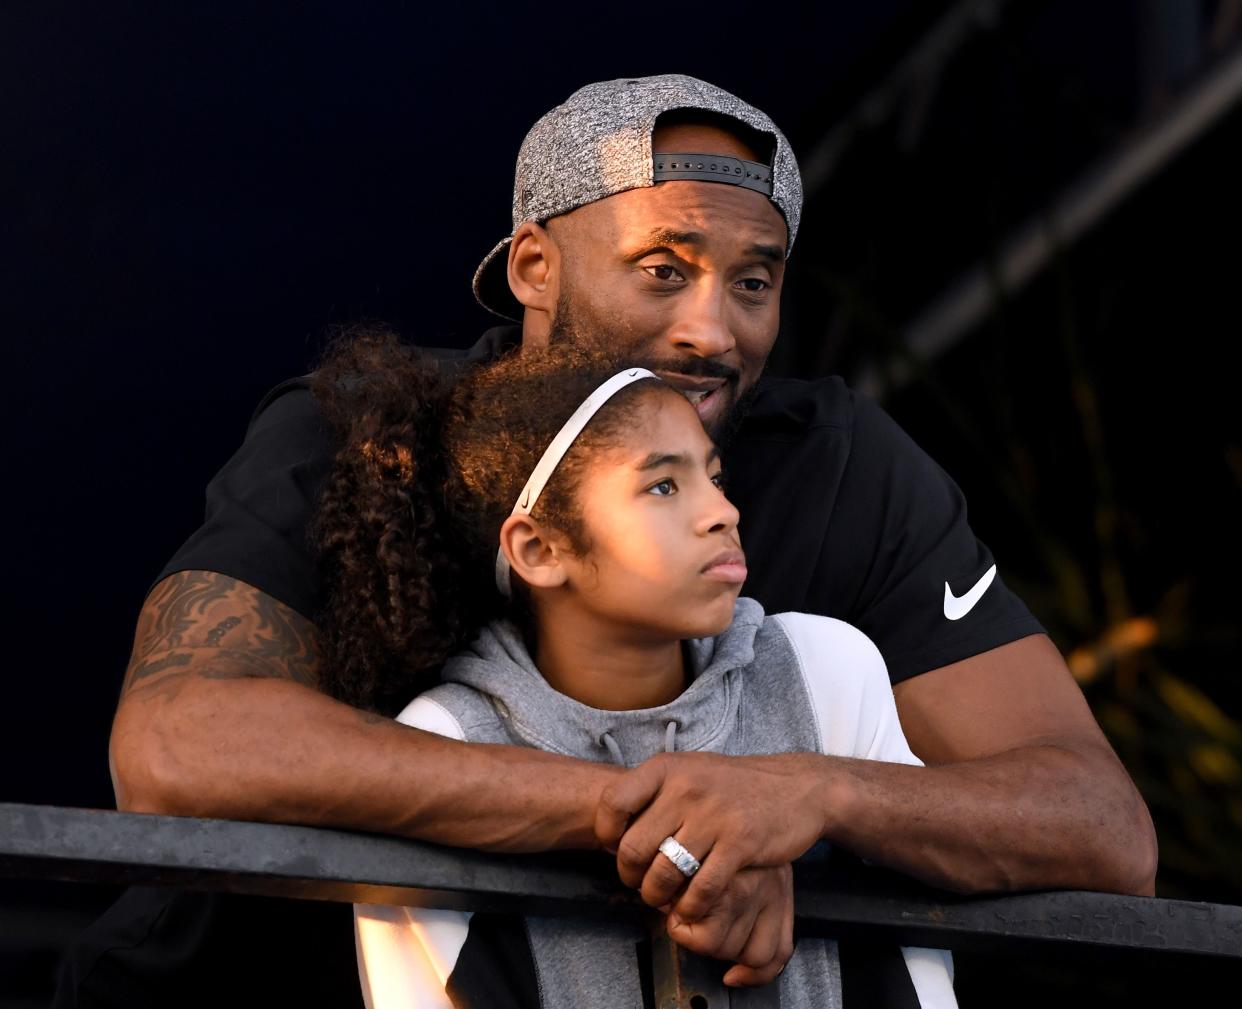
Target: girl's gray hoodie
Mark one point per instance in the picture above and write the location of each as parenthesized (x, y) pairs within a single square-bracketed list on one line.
[(786, 683)]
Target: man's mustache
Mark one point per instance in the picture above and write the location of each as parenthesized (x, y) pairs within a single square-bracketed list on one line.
[(694, 368)]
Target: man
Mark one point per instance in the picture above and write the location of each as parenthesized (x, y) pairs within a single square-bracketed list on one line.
[(666, 207)]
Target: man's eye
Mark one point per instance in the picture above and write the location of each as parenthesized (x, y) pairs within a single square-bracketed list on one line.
[(663, 489), (754, 284), (719, 480), (663, 271)]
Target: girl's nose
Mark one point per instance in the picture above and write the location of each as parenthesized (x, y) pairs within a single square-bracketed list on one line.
[(722, 515)]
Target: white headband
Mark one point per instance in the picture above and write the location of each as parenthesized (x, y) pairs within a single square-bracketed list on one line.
[(556, 451)]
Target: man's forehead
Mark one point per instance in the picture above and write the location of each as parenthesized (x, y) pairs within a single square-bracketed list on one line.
[(701, 138), (680, 213)]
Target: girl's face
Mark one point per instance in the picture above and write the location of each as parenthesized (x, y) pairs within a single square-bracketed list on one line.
[(665, 558)]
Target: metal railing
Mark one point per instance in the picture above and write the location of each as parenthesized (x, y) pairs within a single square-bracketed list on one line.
[(101, 846)]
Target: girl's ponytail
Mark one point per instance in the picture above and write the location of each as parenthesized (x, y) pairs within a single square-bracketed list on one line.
[(385, 547), (427, 472)]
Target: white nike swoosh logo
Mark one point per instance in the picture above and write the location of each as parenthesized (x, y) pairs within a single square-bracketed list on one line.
[(956, 607)]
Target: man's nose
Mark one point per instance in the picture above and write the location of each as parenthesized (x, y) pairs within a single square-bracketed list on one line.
[(701, 327)]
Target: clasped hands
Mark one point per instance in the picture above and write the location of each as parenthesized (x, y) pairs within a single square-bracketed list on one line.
[(745, 819)]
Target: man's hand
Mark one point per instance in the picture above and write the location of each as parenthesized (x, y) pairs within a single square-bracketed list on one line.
[(751, 925), (1021, 791), (729, 812)]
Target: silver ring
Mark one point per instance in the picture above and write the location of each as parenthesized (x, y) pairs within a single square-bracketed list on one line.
[(686, 863)]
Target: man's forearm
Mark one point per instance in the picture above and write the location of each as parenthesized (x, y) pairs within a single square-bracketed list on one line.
[(279, 751), (1041, 816), (220, 716)]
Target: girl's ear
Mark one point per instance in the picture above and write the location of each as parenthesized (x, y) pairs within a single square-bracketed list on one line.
[(533, 555)]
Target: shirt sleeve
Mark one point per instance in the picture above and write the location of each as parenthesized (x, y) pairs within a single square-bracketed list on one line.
[(260, 503), (923, 586), (848, 688), (407, 954)]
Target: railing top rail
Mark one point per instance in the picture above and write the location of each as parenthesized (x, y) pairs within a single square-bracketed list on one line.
[(102, 846)]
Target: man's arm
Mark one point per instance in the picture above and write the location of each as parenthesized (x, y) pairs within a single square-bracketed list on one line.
[(219, 716), (1021, 791)]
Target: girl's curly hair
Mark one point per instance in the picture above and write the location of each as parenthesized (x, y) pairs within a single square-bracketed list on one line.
[(428, 469)]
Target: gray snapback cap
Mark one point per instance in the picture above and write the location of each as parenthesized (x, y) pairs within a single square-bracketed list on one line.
[(598, 143)]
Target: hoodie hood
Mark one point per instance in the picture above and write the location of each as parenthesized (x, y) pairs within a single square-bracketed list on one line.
[(498, 665)]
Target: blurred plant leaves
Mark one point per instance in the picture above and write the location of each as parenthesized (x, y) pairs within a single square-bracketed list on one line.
[(1195, 708), (1137, 669)]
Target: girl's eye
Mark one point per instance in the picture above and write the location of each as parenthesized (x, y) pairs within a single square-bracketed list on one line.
[(719, 480), (663, 489)]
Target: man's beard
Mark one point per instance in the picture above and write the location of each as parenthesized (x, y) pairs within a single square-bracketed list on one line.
[(725, 431), (569, 327)]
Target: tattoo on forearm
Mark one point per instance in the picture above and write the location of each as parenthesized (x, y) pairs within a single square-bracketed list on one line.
[(141, 670), (185, 623), (221, 629)]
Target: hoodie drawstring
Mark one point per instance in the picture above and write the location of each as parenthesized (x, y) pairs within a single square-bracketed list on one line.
[(614, 751)]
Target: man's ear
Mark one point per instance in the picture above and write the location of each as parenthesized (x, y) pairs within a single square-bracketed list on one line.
[(534, 268), (533, 554)]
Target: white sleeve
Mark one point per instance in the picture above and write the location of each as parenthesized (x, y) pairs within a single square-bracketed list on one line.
[(851, 697), (406, 954), (426, 713), (847, 682)]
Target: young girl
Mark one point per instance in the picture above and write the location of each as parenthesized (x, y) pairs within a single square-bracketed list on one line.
[(573, 509)]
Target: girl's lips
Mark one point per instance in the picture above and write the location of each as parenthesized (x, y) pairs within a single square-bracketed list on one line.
[(733, 573), (727, 566)]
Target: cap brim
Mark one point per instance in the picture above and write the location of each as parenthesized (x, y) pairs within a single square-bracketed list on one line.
[(491, 284)]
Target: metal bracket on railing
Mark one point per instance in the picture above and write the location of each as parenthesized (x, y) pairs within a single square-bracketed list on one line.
[(684, 980)]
